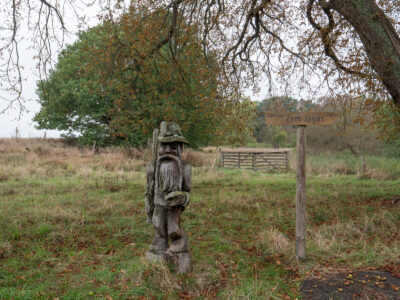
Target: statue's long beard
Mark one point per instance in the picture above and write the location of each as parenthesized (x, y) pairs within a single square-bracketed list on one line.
[(170, 174)]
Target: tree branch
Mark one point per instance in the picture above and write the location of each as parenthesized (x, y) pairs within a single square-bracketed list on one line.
[(326, 41), (52, 8)]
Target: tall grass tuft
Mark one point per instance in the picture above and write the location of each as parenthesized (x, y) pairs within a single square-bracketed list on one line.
[(275, 241), (199, 158)]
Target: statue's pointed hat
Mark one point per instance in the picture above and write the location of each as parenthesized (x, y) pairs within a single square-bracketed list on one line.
[(170, 132)]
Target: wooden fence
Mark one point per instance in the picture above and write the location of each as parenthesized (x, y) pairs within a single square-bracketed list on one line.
[(254, 159)]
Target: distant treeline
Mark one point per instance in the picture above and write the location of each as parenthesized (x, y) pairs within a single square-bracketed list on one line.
[(356, 130)]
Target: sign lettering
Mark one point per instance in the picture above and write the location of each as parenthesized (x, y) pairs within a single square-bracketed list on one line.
[(301, 118)]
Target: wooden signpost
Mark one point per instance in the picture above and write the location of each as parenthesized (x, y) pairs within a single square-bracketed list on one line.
[(301, 119)]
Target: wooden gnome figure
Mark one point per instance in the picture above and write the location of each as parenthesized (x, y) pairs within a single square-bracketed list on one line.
[(167, 195)]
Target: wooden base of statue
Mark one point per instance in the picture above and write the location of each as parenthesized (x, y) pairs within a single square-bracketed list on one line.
[(180, 261)]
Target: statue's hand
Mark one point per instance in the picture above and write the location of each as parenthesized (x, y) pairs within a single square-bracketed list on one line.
[(187, 199), (177, 198)]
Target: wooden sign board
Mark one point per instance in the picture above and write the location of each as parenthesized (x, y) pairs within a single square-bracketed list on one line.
[(301, 118)]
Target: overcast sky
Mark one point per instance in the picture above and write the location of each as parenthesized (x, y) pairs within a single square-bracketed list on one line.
[(13, 118)]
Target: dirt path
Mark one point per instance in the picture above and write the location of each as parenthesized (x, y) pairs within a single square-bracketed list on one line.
[(369, 284)]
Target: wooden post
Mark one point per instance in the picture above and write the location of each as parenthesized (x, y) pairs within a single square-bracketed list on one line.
[(154, 152), (254, 161), (301, 189), (301, 119), (363, 165), (239, 161), (287, 161), (94, 148)]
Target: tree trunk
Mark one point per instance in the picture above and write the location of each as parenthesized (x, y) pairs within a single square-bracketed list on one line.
[(380, 40)]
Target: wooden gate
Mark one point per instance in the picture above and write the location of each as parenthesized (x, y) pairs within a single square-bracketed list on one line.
[(255, 159)]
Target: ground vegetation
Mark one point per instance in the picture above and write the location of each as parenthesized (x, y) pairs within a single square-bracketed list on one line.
[(73, 225)]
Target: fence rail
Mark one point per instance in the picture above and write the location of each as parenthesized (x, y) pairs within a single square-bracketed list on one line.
[(257, 161)]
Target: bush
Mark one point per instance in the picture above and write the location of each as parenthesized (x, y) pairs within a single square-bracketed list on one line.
[(392, 149)]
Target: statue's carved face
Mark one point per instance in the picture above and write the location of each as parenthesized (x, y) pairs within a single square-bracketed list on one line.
[(169, 148), (170, 167)]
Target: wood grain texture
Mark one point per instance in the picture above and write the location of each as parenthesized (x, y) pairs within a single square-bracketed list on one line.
[(301, 193), (255, 160), (301, 118)]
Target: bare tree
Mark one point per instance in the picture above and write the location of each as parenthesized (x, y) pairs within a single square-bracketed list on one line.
[(38, 25), (350, 46)]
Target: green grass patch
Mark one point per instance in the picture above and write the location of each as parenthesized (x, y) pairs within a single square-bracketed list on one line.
[(84, 234)]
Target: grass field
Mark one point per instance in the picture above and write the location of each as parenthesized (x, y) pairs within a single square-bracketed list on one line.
[(73, 225)]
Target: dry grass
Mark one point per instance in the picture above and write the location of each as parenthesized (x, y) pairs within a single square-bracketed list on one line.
[(200, 158), (275, 241), (162, 275), (45, 158), (357, 240), (330, 164), (370, 173), (77, 220)]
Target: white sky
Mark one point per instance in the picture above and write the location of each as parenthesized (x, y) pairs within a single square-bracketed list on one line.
[(13, 117)]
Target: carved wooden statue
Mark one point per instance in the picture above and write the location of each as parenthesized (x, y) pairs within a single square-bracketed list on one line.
[(167, 195)]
